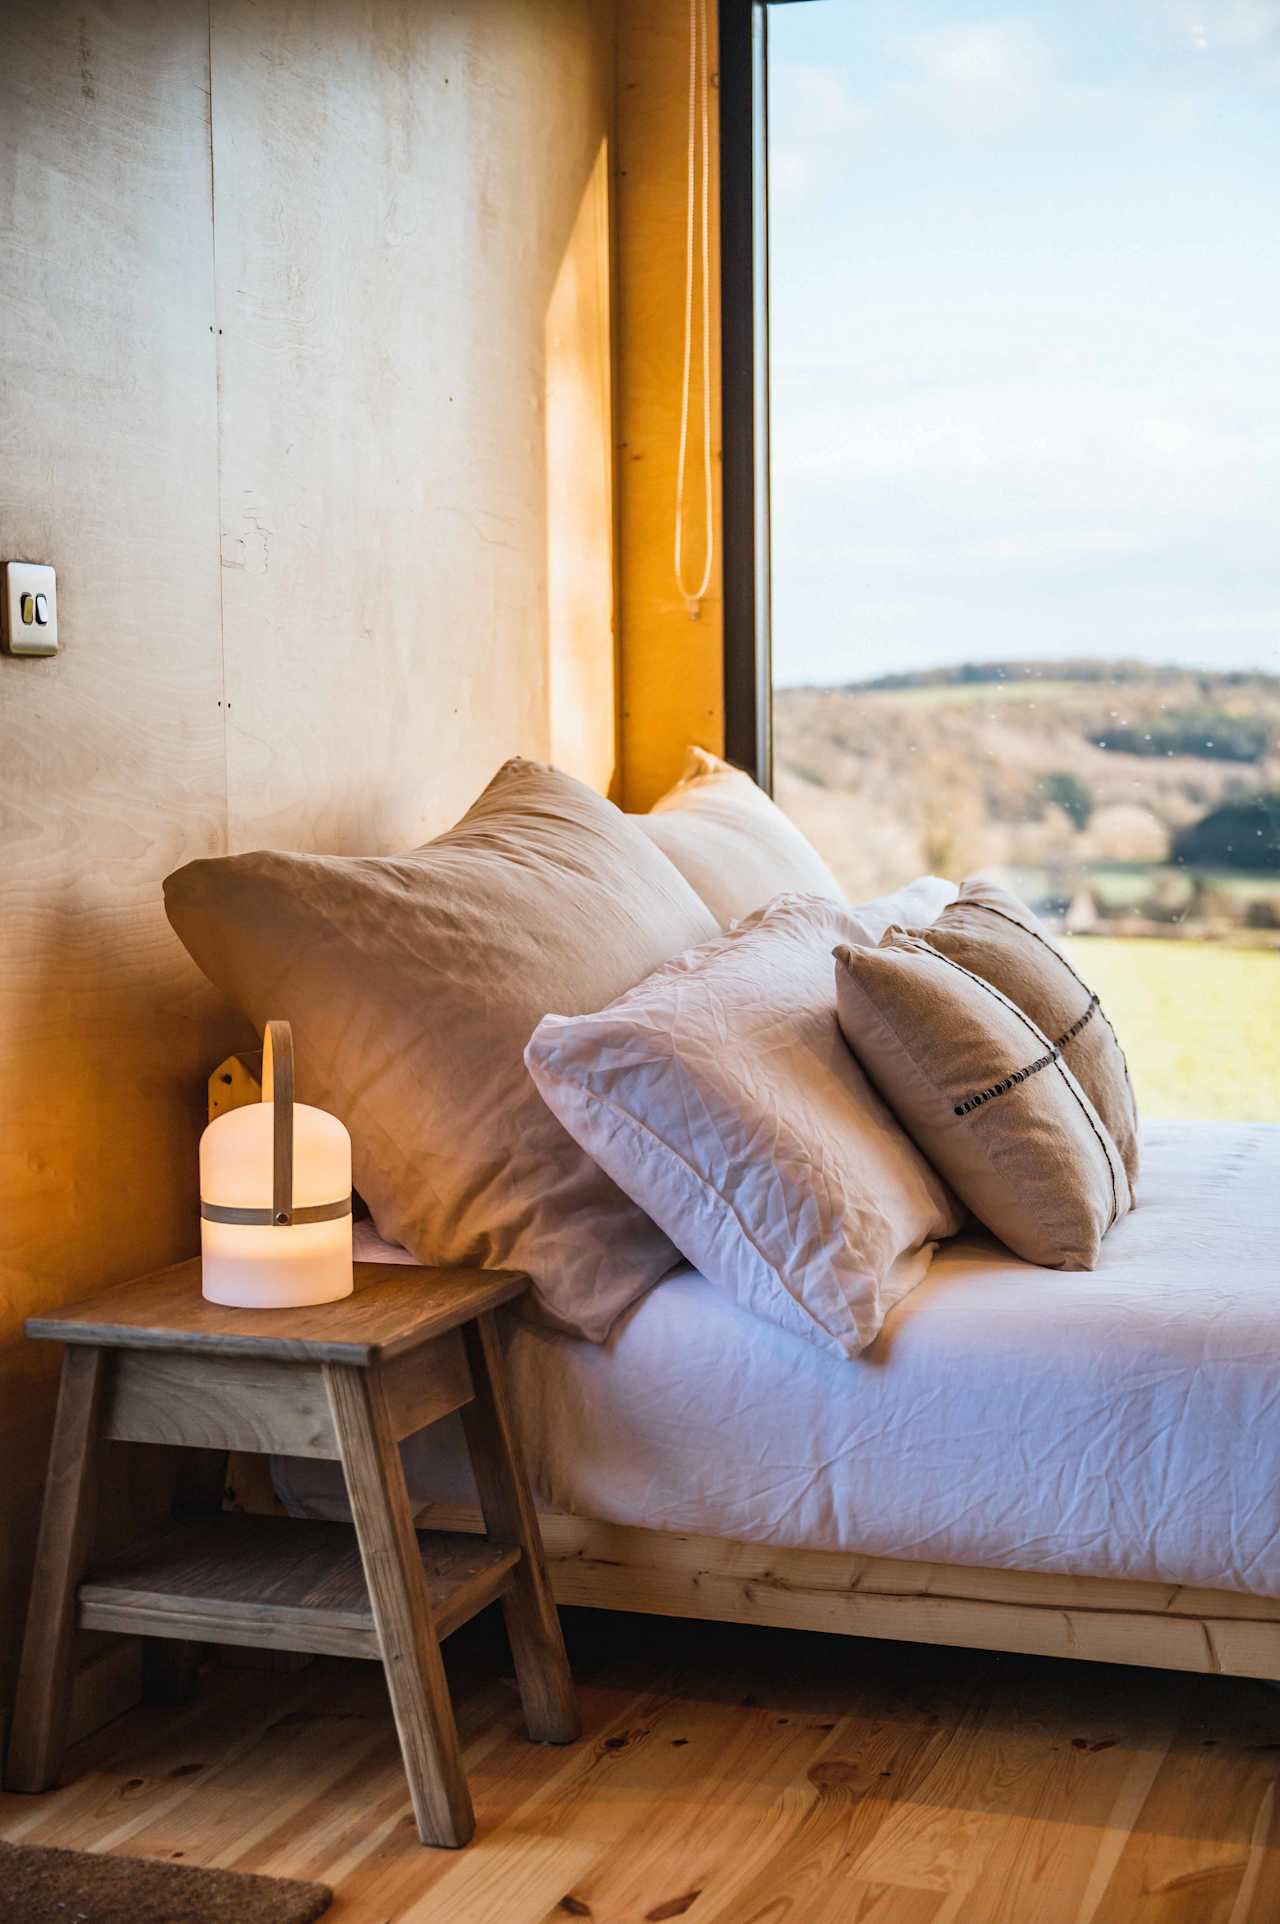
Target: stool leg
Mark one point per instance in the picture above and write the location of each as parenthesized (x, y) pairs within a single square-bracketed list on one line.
[(533, 1624), (401, 1607), (49, 1646)]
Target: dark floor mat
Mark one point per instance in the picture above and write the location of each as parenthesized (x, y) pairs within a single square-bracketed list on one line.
[(39, 1886)]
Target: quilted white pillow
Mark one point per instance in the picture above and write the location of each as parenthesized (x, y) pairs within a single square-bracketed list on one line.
[(720, 1095)]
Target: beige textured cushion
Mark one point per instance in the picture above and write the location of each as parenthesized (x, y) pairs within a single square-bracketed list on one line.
[(986, 1098), (732, 843), (992, 934), (413, 983)]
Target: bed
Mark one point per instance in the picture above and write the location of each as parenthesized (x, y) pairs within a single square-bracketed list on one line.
[(1081, 1464), (1079, 1459)]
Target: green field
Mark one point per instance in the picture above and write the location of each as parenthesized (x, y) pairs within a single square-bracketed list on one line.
[(1199, 1023), (1125, 886)]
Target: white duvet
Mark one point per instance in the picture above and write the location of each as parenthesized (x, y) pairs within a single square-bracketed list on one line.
[(1118, 1422)]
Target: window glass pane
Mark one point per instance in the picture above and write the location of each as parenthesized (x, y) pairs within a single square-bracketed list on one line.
[(1025, 371)]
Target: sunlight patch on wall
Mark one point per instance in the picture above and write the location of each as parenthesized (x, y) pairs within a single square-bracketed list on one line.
[(582, 670)]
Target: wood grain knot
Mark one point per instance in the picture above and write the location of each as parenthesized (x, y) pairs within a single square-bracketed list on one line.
[(674, 1907), (838, 1773), (621, 1743)]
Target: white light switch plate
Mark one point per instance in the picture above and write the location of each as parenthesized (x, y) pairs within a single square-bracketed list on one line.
[(30, 608)]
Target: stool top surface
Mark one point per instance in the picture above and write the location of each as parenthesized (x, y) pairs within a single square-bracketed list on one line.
[(394, 1307)]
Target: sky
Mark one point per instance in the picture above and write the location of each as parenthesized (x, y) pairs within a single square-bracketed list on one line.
[(1025, 333)]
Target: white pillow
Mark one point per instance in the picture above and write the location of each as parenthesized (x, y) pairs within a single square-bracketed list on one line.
[(733, 845), (720, 1095)]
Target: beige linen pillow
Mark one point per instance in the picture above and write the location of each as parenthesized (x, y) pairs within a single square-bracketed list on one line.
[(413, 983), (986, 1097), (732, 843), (992, 934)]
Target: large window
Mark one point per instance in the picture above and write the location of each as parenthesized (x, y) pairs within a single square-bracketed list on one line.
[(1025, 397)]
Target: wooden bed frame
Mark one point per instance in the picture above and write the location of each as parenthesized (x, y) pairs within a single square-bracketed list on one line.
[(612, 1566), (1164, 1626)]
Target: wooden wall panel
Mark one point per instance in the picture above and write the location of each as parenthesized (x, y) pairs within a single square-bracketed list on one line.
[(111, 753), (339, 505), (399, 188), (672, 682)]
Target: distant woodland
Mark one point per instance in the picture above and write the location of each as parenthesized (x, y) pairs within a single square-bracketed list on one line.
[(1115, 791)]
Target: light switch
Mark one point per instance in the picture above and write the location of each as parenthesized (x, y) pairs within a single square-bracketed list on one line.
[(30, 608)]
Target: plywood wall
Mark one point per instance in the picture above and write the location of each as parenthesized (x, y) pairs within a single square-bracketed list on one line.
[(304, 317), (672, 675), (401, 189)]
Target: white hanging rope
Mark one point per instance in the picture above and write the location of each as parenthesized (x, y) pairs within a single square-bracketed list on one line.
[(699, 128)]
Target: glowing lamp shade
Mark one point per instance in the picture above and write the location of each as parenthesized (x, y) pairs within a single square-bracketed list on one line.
[(275, 1196)]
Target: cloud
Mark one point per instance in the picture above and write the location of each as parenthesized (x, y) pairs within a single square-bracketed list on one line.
[(816, 117), (820, 104), (1056, 544), (1083, 420), (978, 77), (1235, 26)]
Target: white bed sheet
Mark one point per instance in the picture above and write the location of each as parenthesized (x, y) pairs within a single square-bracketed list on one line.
[(1123, 1422)]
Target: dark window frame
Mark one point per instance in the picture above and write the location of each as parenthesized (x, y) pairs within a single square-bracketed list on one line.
[(744, 377)]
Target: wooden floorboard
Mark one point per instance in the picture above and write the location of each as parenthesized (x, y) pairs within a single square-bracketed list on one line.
[(728, 1775)]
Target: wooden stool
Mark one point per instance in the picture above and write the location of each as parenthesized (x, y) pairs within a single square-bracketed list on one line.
[(153, 1362)]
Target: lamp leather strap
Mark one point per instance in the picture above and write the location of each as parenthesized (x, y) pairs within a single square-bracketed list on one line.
[(308, 1213), (277, 1089)]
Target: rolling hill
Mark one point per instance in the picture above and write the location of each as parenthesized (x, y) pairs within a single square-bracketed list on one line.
[(1066, 766)]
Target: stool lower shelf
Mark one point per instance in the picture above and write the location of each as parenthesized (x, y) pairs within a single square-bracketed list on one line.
[(279, 1584)]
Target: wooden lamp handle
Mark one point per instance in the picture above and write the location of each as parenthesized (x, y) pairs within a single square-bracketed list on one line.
[(277, 1088)]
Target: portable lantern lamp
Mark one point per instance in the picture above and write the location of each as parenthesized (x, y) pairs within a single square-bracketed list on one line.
[(275, 1196)]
